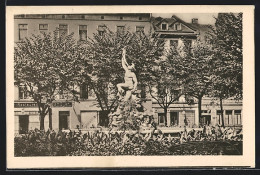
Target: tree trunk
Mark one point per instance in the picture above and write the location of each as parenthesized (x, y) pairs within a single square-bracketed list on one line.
[(199, 106), (221, 111), (50, 118), (42, 121), (165, 115)]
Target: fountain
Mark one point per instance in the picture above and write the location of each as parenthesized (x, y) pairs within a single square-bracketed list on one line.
[(129, 113)]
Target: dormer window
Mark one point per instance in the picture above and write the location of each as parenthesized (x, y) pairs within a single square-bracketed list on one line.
[(164, 26), (177, 26)]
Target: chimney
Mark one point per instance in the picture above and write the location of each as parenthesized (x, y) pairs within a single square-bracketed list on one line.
[(194, 21)]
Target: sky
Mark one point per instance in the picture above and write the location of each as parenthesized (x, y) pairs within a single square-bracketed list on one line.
[(203, 18)]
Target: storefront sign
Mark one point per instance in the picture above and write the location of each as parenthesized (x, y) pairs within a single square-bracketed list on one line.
[(26, 113), (25, 105), (62, 104)]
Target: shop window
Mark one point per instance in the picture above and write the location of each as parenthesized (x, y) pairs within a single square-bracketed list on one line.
[(228, 117), (83, 32), (237, 117), (22, 31), (219, 117), (63, 30), (174, 118)]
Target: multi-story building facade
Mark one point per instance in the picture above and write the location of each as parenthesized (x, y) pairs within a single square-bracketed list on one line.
[(68, 114), (174, 31)]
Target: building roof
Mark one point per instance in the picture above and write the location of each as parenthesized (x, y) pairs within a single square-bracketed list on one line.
[(156, 22), (201, 28), (188, 29), (88, 16)]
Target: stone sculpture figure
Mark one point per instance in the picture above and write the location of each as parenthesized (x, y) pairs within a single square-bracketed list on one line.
[(130, 84), (126, 115)]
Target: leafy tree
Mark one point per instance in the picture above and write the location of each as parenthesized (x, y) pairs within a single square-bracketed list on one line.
[(191, 65), (47, 65), (228, 58), (163, 85)]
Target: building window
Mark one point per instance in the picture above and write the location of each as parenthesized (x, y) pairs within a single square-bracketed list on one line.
[(237, 117), (23, 93), (219, 117), (121, 17), (177, 27), (22, 31), (63, 30), (83, 31), (188, 45), (120, 29), (161, 118), (164, 26), (102, 17), (43, 27), (174, 43), (139, 29), (63, 94), (140, 18), (228, 117), (101, 29), (84, 91)]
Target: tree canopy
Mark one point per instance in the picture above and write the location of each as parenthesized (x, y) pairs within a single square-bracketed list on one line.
[(48, 66)]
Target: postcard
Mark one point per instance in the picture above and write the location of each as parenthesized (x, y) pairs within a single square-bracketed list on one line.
[(130, 86)]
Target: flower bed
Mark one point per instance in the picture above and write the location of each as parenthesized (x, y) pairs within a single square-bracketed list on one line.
[(75, 143)]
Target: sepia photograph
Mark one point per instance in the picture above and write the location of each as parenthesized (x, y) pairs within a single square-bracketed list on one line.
[(122, 86)]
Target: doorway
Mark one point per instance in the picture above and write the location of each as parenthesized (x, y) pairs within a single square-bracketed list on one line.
[(23, 124), (205, 119), (174, 118), (161, 119), (64, 120)]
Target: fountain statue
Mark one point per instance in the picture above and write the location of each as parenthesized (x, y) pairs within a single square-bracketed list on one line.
[(127, 112), (130, 84), (130, 112)]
